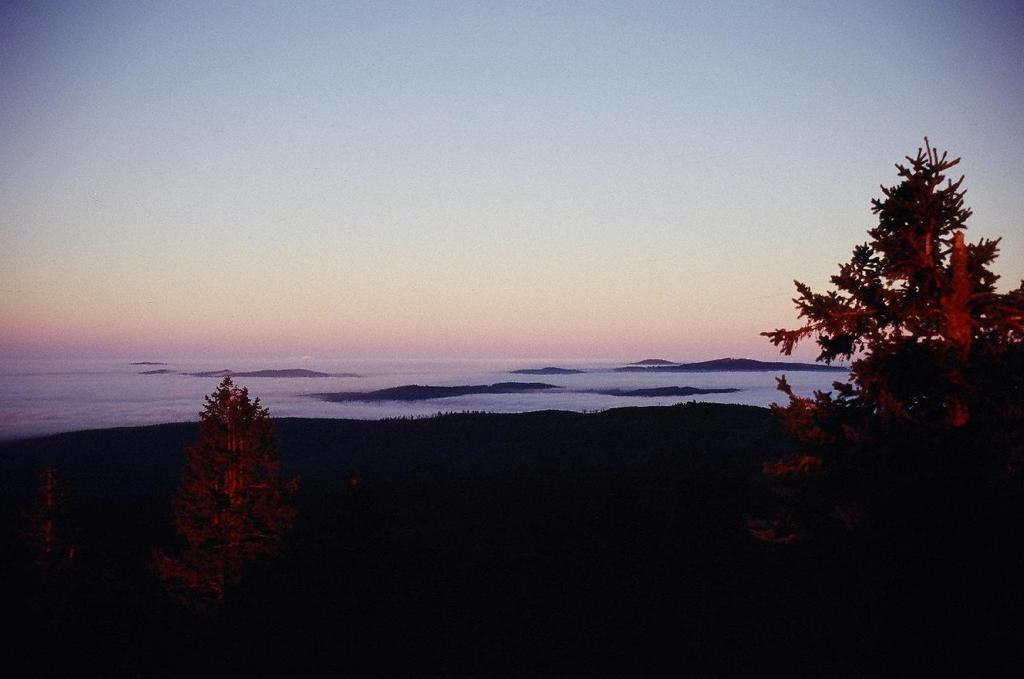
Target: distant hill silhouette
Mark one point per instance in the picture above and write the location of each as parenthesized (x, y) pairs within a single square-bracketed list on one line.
[(289, 372), (654, 361), (147, 363), (550, 370), (161, 371), (419, 392), (665, 391), (734, 365)]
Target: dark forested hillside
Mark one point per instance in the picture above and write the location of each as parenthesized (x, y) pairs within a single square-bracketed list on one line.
[(539, 544)]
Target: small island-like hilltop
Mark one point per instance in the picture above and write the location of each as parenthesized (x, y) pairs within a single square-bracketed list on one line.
[(728, 365)]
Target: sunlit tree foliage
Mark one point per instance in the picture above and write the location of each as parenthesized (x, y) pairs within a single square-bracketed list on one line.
[(232, 507), (49, 534), (932, 413)]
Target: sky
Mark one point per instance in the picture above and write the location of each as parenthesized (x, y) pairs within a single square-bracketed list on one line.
[(469, 180)]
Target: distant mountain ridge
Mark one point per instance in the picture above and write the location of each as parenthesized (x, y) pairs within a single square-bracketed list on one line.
[(288, 372), (420, 392), (666, 391), (550, 370), (733, 365)]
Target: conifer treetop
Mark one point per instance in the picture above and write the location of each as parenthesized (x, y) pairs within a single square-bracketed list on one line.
[(914, 280)]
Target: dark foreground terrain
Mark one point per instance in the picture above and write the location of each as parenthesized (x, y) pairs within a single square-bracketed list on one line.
[(540, 544)]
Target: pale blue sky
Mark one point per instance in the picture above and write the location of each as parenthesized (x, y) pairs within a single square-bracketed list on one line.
[(465, 179)]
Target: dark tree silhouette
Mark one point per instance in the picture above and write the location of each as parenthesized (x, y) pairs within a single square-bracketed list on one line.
[(232, 507), (934, 406)]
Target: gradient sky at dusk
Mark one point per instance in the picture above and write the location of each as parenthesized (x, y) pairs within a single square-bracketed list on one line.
[(470, 180)]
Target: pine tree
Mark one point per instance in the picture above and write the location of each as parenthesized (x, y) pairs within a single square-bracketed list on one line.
[(232, 507), (49, 536), (933, 412)]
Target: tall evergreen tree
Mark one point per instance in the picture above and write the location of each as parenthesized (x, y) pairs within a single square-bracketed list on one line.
[(49, 535), (232, 507), (934, 407)]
